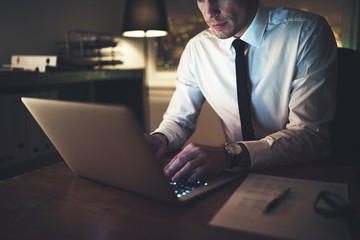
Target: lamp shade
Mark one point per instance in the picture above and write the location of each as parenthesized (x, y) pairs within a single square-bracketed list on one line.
[(145, 18)]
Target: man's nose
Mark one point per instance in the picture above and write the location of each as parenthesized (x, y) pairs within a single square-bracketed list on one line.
[(212, 8)]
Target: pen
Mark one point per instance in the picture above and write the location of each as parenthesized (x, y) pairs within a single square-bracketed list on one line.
[(271, 205)]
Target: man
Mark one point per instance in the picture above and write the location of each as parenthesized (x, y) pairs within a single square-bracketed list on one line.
[(291, 60)]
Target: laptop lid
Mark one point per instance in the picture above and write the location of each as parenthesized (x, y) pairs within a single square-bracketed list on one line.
[(106, 144)]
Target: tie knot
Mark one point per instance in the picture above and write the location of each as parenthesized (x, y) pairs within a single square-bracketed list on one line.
[(239, 45)]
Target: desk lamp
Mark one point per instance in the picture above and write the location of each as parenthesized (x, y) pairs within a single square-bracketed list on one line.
[(145, 19)]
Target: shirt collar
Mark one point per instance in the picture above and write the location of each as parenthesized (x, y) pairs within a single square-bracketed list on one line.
[(227, 43), (255, 33)]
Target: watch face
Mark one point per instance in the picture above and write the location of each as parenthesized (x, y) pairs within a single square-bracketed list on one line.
[(234, 148)]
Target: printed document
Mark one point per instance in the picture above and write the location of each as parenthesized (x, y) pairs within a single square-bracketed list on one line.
[(293, 218)]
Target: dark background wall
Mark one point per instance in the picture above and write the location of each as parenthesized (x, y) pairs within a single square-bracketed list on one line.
[(33, 26)]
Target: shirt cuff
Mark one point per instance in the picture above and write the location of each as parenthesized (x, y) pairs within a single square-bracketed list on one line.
[(173, 141), (260, 153)]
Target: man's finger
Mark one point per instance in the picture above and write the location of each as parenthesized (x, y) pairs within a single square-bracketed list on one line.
[(188, 169), (197, 174), (179, 161)]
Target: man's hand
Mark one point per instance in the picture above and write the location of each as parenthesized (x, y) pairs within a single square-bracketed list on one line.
[(195, 161), (158, 143)]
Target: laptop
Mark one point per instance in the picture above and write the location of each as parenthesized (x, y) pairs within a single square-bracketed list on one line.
[(105, 143)]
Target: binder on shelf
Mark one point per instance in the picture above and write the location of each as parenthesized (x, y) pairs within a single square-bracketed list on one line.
[(6, 131), (19, 128)]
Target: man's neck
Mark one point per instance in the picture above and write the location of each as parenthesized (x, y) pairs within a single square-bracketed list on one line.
[(253, 8)]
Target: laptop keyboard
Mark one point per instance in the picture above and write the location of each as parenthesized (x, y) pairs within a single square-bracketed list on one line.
[(182, 187)]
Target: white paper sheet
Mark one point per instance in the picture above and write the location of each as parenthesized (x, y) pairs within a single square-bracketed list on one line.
[(293, 218)]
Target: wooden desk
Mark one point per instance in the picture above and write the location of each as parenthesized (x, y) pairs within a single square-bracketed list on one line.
[(52, 203)]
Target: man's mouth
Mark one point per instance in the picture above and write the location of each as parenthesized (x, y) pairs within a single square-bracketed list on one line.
[(218, 26)]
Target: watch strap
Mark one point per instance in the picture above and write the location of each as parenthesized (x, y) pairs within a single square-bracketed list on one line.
[(234, 161), (234, 158), (244, 164)]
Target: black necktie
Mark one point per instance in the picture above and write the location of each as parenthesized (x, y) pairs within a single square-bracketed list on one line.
[(242, 91)]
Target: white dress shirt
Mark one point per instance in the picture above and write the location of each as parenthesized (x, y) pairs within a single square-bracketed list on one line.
[(292, 82)]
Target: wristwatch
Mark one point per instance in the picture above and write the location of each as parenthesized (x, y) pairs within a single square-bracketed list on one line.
[(234, 150)]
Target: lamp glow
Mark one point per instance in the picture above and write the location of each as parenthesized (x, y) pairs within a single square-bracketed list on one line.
[(142, 33), (145, 18)]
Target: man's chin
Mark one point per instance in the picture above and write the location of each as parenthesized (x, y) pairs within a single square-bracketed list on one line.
[(222, 34)]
